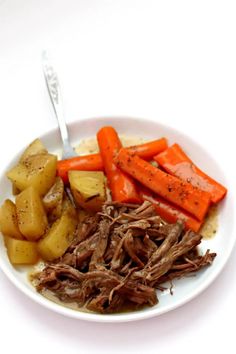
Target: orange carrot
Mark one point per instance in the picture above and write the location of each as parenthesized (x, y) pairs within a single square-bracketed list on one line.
[(122, 186), (171, 188), (147, 150), (178, 164), (82, 163), (169, 212), (94, 162)]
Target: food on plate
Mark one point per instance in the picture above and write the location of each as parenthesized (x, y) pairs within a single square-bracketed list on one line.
[(35, 168), (59, 237), (15, 190), (88, 189), (170, 212), (32, 218), (176, 162), (35, 148), (110, 227), (127, 253), (191, 199), (53, 200), (147, 150), (21, 251), (94, 162), (123, 188), (8, 220), (81, 163)]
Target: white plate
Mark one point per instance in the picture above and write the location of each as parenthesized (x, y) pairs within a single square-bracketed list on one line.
[(184, 289)]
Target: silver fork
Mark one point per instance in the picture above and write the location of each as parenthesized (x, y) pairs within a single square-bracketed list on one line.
[(56, 99)]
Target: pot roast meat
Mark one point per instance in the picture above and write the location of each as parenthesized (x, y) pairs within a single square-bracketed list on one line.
[(98, 253), (130, 248), (88, 227), (179, 270), (120, 257), (166, 245), (190, 240)]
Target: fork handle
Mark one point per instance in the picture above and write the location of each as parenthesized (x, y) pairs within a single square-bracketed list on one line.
[(55, 96)]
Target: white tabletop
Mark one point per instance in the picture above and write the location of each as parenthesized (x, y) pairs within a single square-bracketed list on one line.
[(173, 61)]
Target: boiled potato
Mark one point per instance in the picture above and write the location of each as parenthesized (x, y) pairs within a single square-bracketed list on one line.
[(38, 171), (68, 207), (52, 201), (88, 189), (21, 251), (35, 148), (8, 220), (15, 190), (54, 195), (32, 219), (58, 238)]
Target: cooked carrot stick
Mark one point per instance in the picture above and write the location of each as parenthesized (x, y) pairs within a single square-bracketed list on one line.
[(81, 163), (94, 162), (122, 186), (189, 198), (169, 212), (147, 150), (178, 164)]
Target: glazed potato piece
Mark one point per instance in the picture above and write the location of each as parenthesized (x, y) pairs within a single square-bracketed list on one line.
[(8, 220), (21, 251), (35, 148), (32, 219), (59, 237), (88, 189), (38, 171), (52, 201)]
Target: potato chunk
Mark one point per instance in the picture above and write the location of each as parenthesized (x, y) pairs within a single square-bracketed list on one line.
[(31, 215), (58, 238), (67, 206), (15, 190), (8, 220), (88, 189), (52, 201), (21, 252), (35, 148), (38, 171)]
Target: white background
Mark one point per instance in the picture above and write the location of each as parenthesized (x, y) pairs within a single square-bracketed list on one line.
[(173, 61)]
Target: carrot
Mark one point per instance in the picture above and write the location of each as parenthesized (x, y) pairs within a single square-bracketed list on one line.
[(81, 163), (147, 150), (94, 162), (122, 186), (177, 163), (171, 188), (169, 212)]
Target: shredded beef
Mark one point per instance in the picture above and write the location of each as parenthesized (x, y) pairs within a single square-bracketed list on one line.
[(120, 257)]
